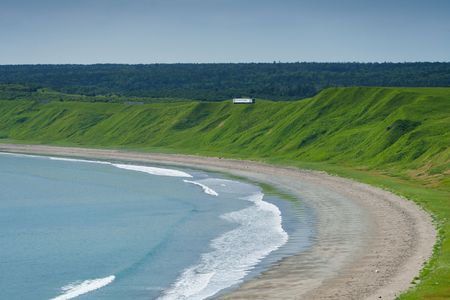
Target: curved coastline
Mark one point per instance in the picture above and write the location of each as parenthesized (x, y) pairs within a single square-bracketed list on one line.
[(370, 243)]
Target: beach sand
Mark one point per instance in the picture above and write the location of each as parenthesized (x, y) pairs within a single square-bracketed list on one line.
[(370, 243)]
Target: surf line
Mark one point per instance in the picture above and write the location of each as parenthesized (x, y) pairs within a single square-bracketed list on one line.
[(205, 188), (234, 254), (76, 289)]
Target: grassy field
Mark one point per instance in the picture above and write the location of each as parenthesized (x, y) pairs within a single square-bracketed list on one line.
[(396, 138)]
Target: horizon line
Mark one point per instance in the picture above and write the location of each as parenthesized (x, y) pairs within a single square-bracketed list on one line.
[(225, 63)]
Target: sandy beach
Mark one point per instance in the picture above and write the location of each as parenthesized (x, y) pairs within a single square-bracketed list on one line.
[(370, 243)]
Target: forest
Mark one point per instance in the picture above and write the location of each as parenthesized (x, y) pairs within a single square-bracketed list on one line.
[(211, 82)]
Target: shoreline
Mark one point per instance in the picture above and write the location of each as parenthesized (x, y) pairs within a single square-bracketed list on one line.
[(370, 243)]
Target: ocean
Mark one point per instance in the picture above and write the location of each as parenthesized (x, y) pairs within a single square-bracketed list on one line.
[(85, 229)]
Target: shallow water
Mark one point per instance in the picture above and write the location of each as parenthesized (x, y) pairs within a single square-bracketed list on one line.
[(98, 230)]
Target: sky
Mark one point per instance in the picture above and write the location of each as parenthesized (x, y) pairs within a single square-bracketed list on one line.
[(213, 31)]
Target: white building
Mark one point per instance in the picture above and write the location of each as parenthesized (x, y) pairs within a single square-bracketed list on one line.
[(243, 100)]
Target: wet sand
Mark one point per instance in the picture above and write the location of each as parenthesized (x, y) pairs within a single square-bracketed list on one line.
[(370, 243)]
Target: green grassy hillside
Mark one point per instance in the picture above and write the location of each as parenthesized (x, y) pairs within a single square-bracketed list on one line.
[(406, 131), (397, 138)]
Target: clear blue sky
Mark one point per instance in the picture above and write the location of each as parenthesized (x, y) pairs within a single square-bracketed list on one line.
[(149, 31)]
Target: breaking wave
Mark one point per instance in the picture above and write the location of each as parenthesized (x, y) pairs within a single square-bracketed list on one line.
[(234, 253), (205, 188), (79, 288)]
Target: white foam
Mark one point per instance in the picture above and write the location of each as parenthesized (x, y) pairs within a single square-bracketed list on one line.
[(205, 188), (234, 253), (154, 170), (56, 158), (79, 288), (19, 154), (145, 169), (80, 160)]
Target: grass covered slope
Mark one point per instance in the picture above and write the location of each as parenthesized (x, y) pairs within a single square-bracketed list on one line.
[(403, 130), (397, 138)]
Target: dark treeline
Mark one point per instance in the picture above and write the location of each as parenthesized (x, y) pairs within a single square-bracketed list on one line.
[(277, 81)]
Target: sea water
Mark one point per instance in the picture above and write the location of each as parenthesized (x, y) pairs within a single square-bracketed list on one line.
[(85, 229)]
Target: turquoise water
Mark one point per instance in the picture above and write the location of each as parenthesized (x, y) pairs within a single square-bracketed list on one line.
[(86, 230)]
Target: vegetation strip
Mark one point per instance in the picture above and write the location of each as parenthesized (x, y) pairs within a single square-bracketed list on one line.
[(212, 82)]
